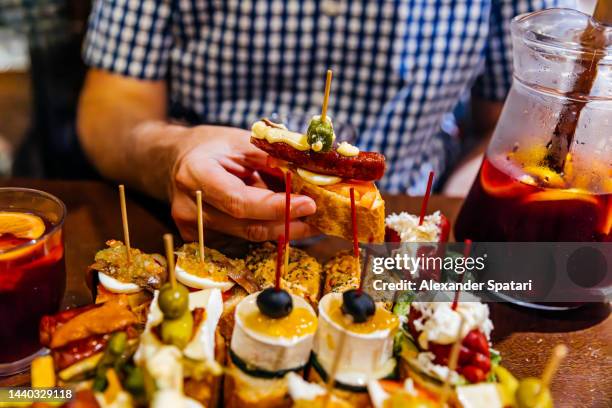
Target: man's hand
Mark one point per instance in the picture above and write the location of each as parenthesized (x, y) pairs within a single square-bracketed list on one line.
[(222, 163), (125, 132)]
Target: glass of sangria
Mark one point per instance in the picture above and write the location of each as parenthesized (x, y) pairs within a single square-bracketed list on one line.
[(32, 272), (547, 173)]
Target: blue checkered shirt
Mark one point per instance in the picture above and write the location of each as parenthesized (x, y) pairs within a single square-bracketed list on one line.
[(400, 66)]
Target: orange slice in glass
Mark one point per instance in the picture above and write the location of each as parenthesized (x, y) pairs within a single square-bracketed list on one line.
[(21, 225), (561, 195), (498, 184)]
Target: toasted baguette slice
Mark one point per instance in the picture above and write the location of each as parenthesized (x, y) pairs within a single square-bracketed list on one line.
[(341, 273), (333, 216), (244, 391), (355, 399), (302, 277)]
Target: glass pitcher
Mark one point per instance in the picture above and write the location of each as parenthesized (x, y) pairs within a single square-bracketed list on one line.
[(547, 173)]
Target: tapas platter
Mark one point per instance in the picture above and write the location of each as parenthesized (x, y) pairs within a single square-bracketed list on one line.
[(277, 327)]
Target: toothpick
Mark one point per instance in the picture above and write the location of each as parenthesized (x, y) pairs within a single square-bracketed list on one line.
[(328, 80), (426, 198), (466, 252), (558, 354), (452, 363), (334, 369), (200, 224), (279, 257), (287, 217), (355, 233), (124, 220), (169, 244)]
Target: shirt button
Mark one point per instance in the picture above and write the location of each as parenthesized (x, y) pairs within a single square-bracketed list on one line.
[(332, 8)]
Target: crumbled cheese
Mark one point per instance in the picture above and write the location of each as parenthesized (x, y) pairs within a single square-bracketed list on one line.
[(347, 149), (439, 323), (408, 228), (425, 361), (317, 146)]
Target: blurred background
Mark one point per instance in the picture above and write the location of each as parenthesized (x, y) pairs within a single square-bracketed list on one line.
[(41, 73)]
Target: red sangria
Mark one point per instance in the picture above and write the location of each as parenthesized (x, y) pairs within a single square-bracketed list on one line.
[(547, 175), (511, 203), (32, 274)]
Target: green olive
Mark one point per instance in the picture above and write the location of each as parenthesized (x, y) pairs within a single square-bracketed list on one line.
[(173, 302), (530, 394), (320, 134), (134, 381), (117, 343), (177, 331)]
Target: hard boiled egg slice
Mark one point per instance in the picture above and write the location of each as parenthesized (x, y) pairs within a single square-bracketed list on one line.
[(113, 285), (199, 282), (318, 179)]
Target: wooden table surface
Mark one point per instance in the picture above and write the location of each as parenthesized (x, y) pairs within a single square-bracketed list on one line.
[(524, 337)]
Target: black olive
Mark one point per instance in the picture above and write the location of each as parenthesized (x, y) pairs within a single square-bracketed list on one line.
[(275, 303), (358, 304)]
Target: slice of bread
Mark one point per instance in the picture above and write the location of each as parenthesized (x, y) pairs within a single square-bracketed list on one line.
[(244, 391), (333, 216)]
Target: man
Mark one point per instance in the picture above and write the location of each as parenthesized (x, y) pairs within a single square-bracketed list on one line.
[(159, 67)]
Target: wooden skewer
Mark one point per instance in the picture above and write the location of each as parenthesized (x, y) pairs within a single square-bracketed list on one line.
[(558, 354), (334, 370), (452, 364), (200, 224), (124, 220), (355, 236), (169, 244), (328, 80), (287, 219)]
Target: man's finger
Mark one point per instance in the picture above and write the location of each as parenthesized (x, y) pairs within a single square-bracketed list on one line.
[(254, 230), (231, 195)]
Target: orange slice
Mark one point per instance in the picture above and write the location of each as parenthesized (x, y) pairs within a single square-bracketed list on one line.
[(498, 184), (547, 176), (21, 225), (561, 195)]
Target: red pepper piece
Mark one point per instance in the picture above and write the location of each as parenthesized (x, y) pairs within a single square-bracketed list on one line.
[(472, 373), (481, 361), (477, 341)]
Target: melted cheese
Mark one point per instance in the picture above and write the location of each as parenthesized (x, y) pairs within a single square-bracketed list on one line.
[(260, 130), (318, 179)]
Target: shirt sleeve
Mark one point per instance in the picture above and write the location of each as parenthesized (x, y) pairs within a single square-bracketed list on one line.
[(496, 77), (129, 37)]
